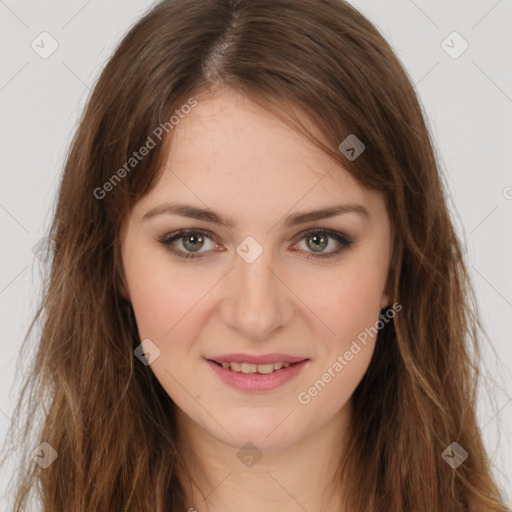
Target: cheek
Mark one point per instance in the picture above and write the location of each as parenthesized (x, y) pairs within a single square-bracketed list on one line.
[(160, 297), (350, 307), (347, 302)]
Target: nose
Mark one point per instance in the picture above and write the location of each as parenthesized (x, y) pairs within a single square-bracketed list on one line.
[(257, 302)]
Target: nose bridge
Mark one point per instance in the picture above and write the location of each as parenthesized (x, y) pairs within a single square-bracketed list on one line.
[(259, 305)]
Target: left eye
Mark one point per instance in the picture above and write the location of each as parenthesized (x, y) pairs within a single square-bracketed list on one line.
[(315, 239), (318, 240)]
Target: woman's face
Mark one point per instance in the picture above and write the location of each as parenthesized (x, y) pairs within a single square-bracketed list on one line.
[(270, 287)]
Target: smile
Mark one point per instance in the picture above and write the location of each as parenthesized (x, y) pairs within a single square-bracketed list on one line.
[(254, 368), (250, 377)]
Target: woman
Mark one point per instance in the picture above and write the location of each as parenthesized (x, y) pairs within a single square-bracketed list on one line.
[(257, 300)]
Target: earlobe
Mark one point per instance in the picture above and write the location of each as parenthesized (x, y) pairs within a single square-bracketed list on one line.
[(387, 293), (385, 302), (123, 288), (124, 293), (121, 283)]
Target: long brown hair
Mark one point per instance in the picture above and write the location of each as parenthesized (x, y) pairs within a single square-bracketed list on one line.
[(104, 413)]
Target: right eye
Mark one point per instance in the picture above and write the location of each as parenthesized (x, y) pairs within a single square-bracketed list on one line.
[(191, 240)]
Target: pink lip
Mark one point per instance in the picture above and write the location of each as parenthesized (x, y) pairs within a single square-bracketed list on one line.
[(263, 359), (256, 381)]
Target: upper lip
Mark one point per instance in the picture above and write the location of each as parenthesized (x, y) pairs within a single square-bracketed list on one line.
[(262, 359)]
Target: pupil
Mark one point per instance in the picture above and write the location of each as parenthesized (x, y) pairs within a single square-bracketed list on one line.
[(317, 238), (198, 240)]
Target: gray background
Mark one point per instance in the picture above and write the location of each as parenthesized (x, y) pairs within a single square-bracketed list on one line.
[(467, 100)]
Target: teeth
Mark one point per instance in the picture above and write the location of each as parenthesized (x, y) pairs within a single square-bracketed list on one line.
[(255, 368)]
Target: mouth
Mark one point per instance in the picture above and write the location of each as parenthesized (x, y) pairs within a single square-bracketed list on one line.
[(262, 377), (249, 368)]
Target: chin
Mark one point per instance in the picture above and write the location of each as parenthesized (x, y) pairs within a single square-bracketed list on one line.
[(267, 434)]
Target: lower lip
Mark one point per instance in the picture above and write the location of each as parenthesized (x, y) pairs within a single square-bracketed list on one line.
[(257, 381)]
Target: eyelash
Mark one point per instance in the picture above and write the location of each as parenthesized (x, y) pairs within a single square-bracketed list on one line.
[(336, 235)]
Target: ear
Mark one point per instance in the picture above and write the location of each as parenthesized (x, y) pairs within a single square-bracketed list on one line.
[(122, 287), (124, 293), (384, 301)]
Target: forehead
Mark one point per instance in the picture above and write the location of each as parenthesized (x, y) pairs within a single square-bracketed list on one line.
[(231, 151), (242, 135)]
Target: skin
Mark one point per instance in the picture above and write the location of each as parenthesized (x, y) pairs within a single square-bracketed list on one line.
[(234, 157)]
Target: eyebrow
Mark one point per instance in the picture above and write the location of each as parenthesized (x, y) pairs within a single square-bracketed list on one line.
[(208, 215)]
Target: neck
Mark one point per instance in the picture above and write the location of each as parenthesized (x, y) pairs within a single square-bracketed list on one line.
[(301, 476)]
